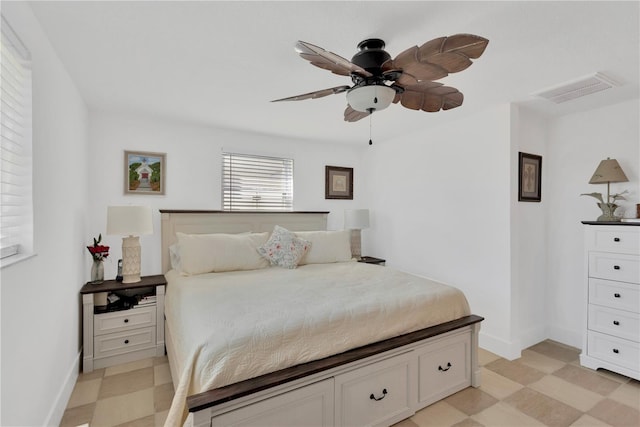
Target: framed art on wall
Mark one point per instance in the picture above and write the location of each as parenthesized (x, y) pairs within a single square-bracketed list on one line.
[(144, 172), (529, 177), (338, 183)]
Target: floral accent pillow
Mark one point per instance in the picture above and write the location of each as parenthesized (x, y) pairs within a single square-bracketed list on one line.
[(284, 248)]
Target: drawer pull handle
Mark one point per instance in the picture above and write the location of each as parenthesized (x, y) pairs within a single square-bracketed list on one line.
[(377, 399), (126, 320), (440, 368), (616, 267), (616, 351), (615, 322), (617, 295), (126, 341)]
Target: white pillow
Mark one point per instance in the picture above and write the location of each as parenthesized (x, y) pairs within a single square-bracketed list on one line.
[(206, 253), (326, 246), (284, 248)]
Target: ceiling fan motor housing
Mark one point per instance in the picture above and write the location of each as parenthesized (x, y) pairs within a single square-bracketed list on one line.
[(371, 56)]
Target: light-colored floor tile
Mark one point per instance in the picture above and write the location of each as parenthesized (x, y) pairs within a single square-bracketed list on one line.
[(556, 350), (505, 415), (471, 400), (160, 360), (615, 413), (589, 421), (84, 392), (406, 423), (77, 416), (540, 361), (543, 408), (161, 417), (497, 385), (124, 408), (469, 422), (93, 375), (485, 356), (162, 397), (571, 394), (161, 374), (127, 382), (515, 371), (438, 414), (588, 379), (628, 393), (149, 421), (128, 367)]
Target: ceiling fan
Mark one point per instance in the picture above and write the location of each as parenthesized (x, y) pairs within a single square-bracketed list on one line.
[(408, 78)]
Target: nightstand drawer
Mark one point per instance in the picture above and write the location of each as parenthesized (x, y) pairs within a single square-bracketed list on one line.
[(624, 268), (618, 323), (614, 239), (623, 296), (124, 342), (377, 394), (614, 350), (119, 321)]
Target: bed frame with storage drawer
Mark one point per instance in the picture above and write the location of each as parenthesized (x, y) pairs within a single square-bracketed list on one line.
[(376, 385)]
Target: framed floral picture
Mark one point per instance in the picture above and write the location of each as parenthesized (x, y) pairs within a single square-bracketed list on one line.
[(529, 177), (144, 172), (338, 183)]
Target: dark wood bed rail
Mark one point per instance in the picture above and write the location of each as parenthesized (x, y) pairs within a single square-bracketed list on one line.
[(216, 396)]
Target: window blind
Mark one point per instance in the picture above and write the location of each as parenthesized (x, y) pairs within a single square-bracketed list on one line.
[(256, 183), (16, 203)]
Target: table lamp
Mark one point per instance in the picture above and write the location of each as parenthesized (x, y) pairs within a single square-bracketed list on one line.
[(608, 171), (356, 220), (130, 221)]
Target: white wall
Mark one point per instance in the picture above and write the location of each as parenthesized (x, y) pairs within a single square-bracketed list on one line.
[(577, 144), (194, 174), (40, 303), (440, 203)]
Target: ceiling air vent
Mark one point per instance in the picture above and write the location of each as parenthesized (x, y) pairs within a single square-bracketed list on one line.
[(578, 88)]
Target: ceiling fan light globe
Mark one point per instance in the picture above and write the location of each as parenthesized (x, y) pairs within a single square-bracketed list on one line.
[(368, 98)]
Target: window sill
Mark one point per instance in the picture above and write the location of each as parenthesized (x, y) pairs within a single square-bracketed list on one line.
[(15, 259)]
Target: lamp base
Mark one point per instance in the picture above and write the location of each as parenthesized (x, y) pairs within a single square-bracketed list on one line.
[(608, 210), (131, 259), (356, 244)]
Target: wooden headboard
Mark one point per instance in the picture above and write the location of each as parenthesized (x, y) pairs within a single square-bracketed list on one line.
[(205, 222)]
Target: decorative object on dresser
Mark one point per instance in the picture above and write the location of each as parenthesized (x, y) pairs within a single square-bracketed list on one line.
[(356, 220), (529, 177), (608, 171), (98, 253), (612, 327), (338, 183), (144, 173), (130, 221), (128, 327)]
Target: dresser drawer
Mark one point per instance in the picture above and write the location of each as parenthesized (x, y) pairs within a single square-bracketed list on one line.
[(624, 268), (444, 367), (618, 351), (623, 296), (119, 321), (124, 342), (618, 239), (379, 394), (619, 323)]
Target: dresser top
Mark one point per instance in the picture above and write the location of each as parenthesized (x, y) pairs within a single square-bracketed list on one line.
[(610, 223), (112, 285)]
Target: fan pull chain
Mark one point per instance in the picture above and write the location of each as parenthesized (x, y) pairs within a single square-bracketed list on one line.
[(370, 121)]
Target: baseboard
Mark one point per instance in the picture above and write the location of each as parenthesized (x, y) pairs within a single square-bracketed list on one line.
[(509, 350), (57, 410)]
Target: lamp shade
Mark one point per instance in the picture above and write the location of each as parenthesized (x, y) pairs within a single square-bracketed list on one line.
[(373, 97), (356, 219), (608, 171), (129, 220)]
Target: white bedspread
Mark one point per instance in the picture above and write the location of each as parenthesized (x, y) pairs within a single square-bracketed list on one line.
[(228, 327)]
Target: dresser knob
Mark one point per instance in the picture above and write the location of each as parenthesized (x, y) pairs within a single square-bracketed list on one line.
[(616, 239), (616, 351), (617, 295), (616, 267), (126, 341), (126, 320), (615, 322)]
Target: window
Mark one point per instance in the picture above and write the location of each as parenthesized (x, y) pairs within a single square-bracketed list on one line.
[(16, 204), (256, 183)]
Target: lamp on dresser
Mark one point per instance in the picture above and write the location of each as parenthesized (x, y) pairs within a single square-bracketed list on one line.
[(131, 222), (608, 171), (356, 220)]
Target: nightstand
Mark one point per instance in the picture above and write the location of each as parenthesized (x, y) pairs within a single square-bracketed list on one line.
[(372, 260), (125, 331)]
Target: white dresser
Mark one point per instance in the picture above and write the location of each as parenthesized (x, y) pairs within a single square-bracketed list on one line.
[(612, 329)]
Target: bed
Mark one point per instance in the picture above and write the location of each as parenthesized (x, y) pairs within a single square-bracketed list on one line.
[(323, 341)]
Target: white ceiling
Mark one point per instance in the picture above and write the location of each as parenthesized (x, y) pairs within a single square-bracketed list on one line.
[(220, 63)]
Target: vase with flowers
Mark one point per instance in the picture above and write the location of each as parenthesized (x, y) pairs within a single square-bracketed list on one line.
[(609, 207), (98, 253)]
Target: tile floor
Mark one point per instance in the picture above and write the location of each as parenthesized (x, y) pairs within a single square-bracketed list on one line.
[(545, 387)]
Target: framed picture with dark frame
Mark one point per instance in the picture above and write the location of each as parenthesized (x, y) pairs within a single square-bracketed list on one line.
[(144, 172), (338, 183), (529, 177)]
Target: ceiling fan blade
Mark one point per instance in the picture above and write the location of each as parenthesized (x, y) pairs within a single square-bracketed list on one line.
[(430, 97), (316, 94), (328, 60), (351, 115)]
